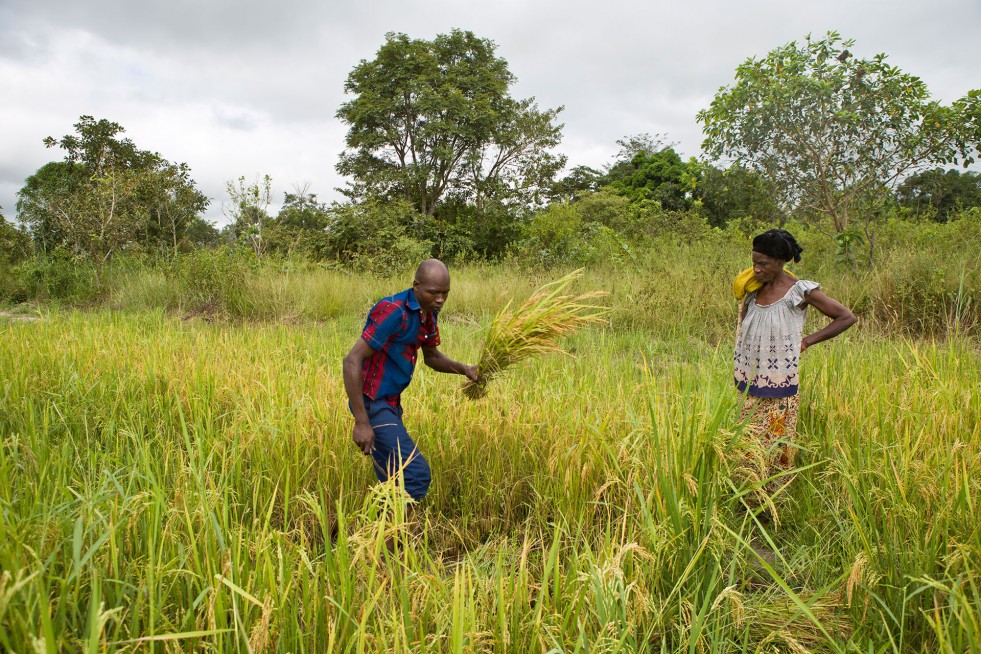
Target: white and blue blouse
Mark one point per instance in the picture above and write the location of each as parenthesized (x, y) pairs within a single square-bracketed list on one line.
[(768, 348)]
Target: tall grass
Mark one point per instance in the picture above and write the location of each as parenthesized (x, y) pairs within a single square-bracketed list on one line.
[(926, 283), (181, 485)]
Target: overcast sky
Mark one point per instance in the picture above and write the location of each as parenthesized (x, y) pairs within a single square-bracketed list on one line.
[(248, 88)]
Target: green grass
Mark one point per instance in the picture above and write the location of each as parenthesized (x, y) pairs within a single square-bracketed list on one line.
[(183, 485)]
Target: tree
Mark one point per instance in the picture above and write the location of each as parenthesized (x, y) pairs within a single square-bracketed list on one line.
[(376, 235), (647, 143), (940, 192), (660, 176), (580, 180), (736, 193), (96, 146), (108, 194), (248, 211), (300, 226), (431, 119), (15, 244), (45, 202), (833, 131), (93, 215)]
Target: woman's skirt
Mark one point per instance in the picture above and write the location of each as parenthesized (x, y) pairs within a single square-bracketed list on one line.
[(772, 421)]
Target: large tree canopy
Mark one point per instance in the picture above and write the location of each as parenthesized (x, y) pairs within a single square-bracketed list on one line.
[(831, 130), (108, 194), (660, 175), (432, 119)]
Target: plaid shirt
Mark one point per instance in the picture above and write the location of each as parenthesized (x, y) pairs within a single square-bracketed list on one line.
[(395, 330)]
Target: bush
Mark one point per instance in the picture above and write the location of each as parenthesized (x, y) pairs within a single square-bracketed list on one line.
[(376, 236), (58, 275), (209, 280)]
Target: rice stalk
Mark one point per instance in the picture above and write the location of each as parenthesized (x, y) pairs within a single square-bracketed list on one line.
[(536, 327)]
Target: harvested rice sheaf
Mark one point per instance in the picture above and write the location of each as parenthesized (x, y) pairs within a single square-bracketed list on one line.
[(536, 327)]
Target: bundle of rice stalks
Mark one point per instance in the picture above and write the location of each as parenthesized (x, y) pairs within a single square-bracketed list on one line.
[(780, 621), (534, 328)]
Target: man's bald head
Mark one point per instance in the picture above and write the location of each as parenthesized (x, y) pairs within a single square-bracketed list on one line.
[(433, 271), (432, 285)]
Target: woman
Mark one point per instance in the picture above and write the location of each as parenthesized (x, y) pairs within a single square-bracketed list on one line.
[(771, 339)]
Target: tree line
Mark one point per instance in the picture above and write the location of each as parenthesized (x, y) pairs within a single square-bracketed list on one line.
[(443, 160)]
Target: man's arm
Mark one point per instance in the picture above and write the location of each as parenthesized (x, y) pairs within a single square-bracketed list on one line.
[(442, 363), (363, 434)]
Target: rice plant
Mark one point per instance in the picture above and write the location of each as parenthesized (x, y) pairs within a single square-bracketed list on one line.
[(534, 328), (175, 484)]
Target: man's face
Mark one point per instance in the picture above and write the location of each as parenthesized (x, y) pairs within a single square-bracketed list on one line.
[(431, 293), (766, 269)]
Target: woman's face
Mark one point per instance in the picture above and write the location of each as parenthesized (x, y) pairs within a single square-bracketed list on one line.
[(766, 269)]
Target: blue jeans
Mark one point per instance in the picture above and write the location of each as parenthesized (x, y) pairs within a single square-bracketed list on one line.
[(395, 452)]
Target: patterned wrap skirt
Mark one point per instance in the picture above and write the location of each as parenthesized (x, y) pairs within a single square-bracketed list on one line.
[(773, 421)]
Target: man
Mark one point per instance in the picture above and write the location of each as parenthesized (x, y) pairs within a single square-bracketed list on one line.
[(380, 366)]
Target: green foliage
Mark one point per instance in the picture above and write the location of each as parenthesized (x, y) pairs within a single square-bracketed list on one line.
[(654, 176), (95, 145), (248, 212), (461, 230), (939, 192), (434, 118), (737, 194), (15, 243), (377, 236), (846, 244), (831, 130), (15, 246), (555, 236), (201, 234), (580, 181), (299, 230), (44, 202), (59, 275), (108, 196), (603, 227), (212, 281)]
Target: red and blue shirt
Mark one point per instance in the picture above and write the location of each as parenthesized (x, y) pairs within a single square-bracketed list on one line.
[(396, 330)]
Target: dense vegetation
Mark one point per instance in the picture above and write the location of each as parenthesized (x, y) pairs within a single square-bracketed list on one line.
[(175, 441), (444, 162), (194, 483)]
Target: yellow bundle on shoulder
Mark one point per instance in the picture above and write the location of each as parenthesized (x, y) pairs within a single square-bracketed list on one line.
[(746, 282)]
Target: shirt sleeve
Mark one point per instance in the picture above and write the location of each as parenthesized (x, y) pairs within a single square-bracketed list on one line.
[(800, 289), (384, 322)]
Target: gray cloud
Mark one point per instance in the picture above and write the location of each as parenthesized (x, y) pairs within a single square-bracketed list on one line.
[(246, 88)]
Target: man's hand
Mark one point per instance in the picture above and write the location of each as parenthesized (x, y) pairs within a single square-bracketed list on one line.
[(442, 363), (364, 437)]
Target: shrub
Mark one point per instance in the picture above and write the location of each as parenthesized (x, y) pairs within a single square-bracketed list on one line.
[(209, 280), (59, 275), (377, 236)]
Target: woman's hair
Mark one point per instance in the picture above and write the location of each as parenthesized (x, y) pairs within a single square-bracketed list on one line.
[(779, 244)]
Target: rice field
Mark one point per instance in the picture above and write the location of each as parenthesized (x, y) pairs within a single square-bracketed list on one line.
[(176, 484)]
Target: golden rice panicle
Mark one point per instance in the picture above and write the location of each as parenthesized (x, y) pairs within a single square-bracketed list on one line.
[(533, 328)]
